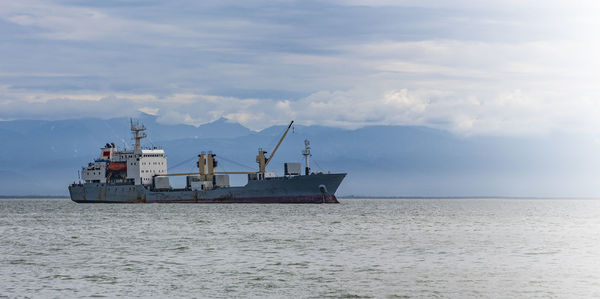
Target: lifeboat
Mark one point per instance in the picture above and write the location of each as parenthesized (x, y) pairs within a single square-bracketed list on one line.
[(116, 167)]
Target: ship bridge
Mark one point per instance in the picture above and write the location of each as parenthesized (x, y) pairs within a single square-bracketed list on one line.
[(136, 166)]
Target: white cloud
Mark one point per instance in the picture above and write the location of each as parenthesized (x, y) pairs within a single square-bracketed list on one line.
[(513, 112), (149, 110), (468, 82)]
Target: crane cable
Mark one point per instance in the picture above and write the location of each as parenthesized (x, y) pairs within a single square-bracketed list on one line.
[(234, 162), (220, 158), (183, 162)]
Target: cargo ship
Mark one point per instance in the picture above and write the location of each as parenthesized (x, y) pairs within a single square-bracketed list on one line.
[(140, 176)]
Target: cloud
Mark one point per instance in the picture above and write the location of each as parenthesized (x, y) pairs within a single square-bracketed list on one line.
[(499, 67), (149, 110), (61, 22), (513, 112)]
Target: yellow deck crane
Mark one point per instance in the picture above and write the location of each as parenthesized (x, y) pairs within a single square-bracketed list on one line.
[(260, 158)]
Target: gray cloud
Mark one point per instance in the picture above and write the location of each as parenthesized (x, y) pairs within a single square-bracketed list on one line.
[(503, 67)]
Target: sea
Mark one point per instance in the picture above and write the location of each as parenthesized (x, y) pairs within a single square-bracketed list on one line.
[(360, 248)]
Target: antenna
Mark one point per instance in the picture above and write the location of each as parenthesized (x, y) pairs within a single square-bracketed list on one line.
[(138, 133), (306, 154)]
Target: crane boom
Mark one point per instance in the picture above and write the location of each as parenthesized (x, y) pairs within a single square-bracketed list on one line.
[(278, 144)]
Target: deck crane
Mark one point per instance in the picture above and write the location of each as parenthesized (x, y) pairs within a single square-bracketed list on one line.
[(262, 160)]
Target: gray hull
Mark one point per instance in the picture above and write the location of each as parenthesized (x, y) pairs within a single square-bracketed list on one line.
[(316, 188)]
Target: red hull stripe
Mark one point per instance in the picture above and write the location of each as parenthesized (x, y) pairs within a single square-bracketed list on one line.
[(260, 200)]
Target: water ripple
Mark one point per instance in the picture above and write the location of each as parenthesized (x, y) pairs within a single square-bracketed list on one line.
[(358, 249)]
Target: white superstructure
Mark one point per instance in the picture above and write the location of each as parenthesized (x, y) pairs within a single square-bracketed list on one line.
[(146, 164), (138, 166)]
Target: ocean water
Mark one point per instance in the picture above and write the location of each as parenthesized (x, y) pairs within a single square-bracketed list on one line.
[(383, 248)]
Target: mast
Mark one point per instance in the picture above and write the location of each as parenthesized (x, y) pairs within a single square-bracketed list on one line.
[(138, 133), (306, 154)]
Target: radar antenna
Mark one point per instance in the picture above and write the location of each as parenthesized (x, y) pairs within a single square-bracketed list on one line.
[(138, 133)]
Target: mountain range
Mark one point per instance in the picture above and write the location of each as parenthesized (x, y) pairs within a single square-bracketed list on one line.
[(42, 157)]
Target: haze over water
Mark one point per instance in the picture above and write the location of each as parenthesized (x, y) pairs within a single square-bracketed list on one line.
[(359, 248)]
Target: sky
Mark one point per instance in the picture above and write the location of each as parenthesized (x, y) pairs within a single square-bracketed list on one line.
[(495, 67)]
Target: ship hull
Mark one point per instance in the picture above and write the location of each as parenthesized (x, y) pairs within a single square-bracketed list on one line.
[(316, 188)]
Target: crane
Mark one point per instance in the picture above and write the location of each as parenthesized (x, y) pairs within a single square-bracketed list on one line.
[(262, 160)]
